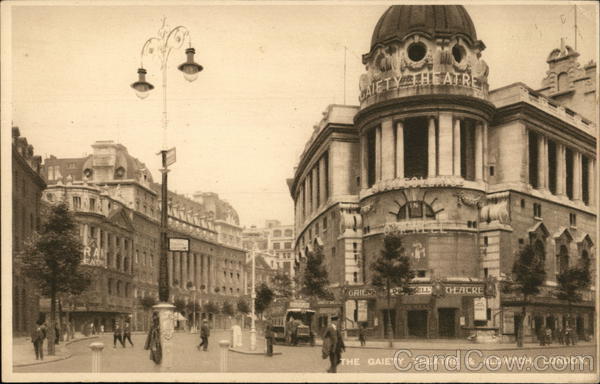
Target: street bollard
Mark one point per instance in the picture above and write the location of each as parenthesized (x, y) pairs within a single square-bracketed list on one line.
[(224, 344), (96, 356)]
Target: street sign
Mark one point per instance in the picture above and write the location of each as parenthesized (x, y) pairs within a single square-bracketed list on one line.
[(171, 156), (179, 244), (480, 308)]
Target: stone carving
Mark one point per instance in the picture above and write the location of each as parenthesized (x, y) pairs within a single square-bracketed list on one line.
[(467, 200)]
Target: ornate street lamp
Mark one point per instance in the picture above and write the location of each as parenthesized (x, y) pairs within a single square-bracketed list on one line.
[(161, 47)]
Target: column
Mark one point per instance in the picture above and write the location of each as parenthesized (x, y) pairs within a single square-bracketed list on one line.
[(377, 154), (592, 182), (184, 269), (323, 180), (431, 148), (456, 147), (315, 188), (400, 149), (387, 150), (176, 267), (445, 144), (479, 151), (209, 275), (170, 266), (85, 235), (307, 199), (196, 272), (576, 176), (485, 151), (561, 170), (542, 162), (363, 161)]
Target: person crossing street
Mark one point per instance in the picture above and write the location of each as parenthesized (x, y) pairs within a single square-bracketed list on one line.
[(127, 333), (204, 334)]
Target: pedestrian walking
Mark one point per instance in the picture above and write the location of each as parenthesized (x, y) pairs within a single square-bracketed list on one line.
[(93, 328), (56, 334), (548, 335), (362, 335), (269, 337), (127, 333), (333, 345), (153, 340), (37, 338), (541, 334), (560, 335), (102, 329), (204, 334), (118, 335)]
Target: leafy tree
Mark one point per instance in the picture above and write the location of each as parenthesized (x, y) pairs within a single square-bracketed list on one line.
[(242, 306), (315, 282), (264, 297), (52, 258), (282, 285), (572, 281), (227, 309), (392, 269), (528, 274), (211, 307), (180, 305)]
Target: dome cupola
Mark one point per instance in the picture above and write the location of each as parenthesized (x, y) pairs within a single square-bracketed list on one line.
[(419, 50), (432, 21)]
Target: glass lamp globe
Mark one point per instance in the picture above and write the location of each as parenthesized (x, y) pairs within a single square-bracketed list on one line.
[(190, 69), (141, 87)]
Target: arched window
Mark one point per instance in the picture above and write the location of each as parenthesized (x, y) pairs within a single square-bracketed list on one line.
[(540, 250), (563, 259), (562, 81), (415, 210), (118, 266)]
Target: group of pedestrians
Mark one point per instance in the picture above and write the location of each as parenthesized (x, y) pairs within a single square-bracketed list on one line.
[(122, 334), (564, 336)]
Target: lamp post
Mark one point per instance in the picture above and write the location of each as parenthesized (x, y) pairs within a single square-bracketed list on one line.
[(161, 47), (253, 297)]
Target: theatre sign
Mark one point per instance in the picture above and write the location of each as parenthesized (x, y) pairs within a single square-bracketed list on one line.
[(476, 289)]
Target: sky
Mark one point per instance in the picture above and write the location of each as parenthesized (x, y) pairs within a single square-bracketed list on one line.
[(270, 70)]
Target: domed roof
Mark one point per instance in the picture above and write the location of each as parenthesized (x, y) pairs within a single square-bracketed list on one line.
[(400, 21)]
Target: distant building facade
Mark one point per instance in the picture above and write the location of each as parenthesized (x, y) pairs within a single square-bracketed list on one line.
[(210, 271), (274, 241), (466, 176), (27, 187)]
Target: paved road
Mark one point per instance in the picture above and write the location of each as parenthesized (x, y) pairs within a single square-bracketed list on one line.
[(308, 359)]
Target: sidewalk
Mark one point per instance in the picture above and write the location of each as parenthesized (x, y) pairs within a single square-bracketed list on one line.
[(446, 344), (24, 354)]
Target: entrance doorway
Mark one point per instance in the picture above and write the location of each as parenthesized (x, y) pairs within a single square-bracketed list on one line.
[(417, 323), (447, 322)]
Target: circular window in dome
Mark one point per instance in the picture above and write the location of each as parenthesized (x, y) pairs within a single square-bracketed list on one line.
[(416, 51), (458, 52)]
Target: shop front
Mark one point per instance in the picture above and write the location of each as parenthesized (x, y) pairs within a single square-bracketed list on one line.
[(439, 309)]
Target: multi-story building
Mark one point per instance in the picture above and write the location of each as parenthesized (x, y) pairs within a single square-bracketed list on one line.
[(466, 176), (210, 271), (27, 187), (274, 241), (107, 233)]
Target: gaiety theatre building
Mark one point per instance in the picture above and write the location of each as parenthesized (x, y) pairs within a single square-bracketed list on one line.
[(465, 175)]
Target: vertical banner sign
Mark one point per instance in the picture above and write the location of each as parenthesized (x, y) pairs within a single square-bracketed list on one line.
[(480, 308), (362, 310), (171, 156), (508, 322)]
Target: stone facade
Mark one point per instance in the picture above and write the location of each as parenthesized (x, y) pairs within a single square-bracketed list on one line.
[(275, 243), (27, 187), (212, 270), (465, 175)]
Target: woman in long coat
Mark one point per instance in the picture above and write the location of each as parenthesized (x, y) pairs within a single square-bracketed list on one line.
[(153, 341)]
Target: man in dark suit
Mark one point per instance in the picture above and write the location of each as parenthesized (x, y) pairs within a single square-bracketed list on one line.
[(204, 333), (334, 343), (269, 337)]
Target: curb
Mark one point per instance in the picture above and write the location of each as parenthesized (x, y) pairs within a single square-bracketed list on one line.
[(65, 357), (481, 346), (252, 352)]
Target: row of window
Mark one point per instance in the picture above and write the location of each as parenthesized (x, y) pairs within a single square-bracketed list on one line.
[(287, 233), (286, 245), (308, 236), (118, 288)]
